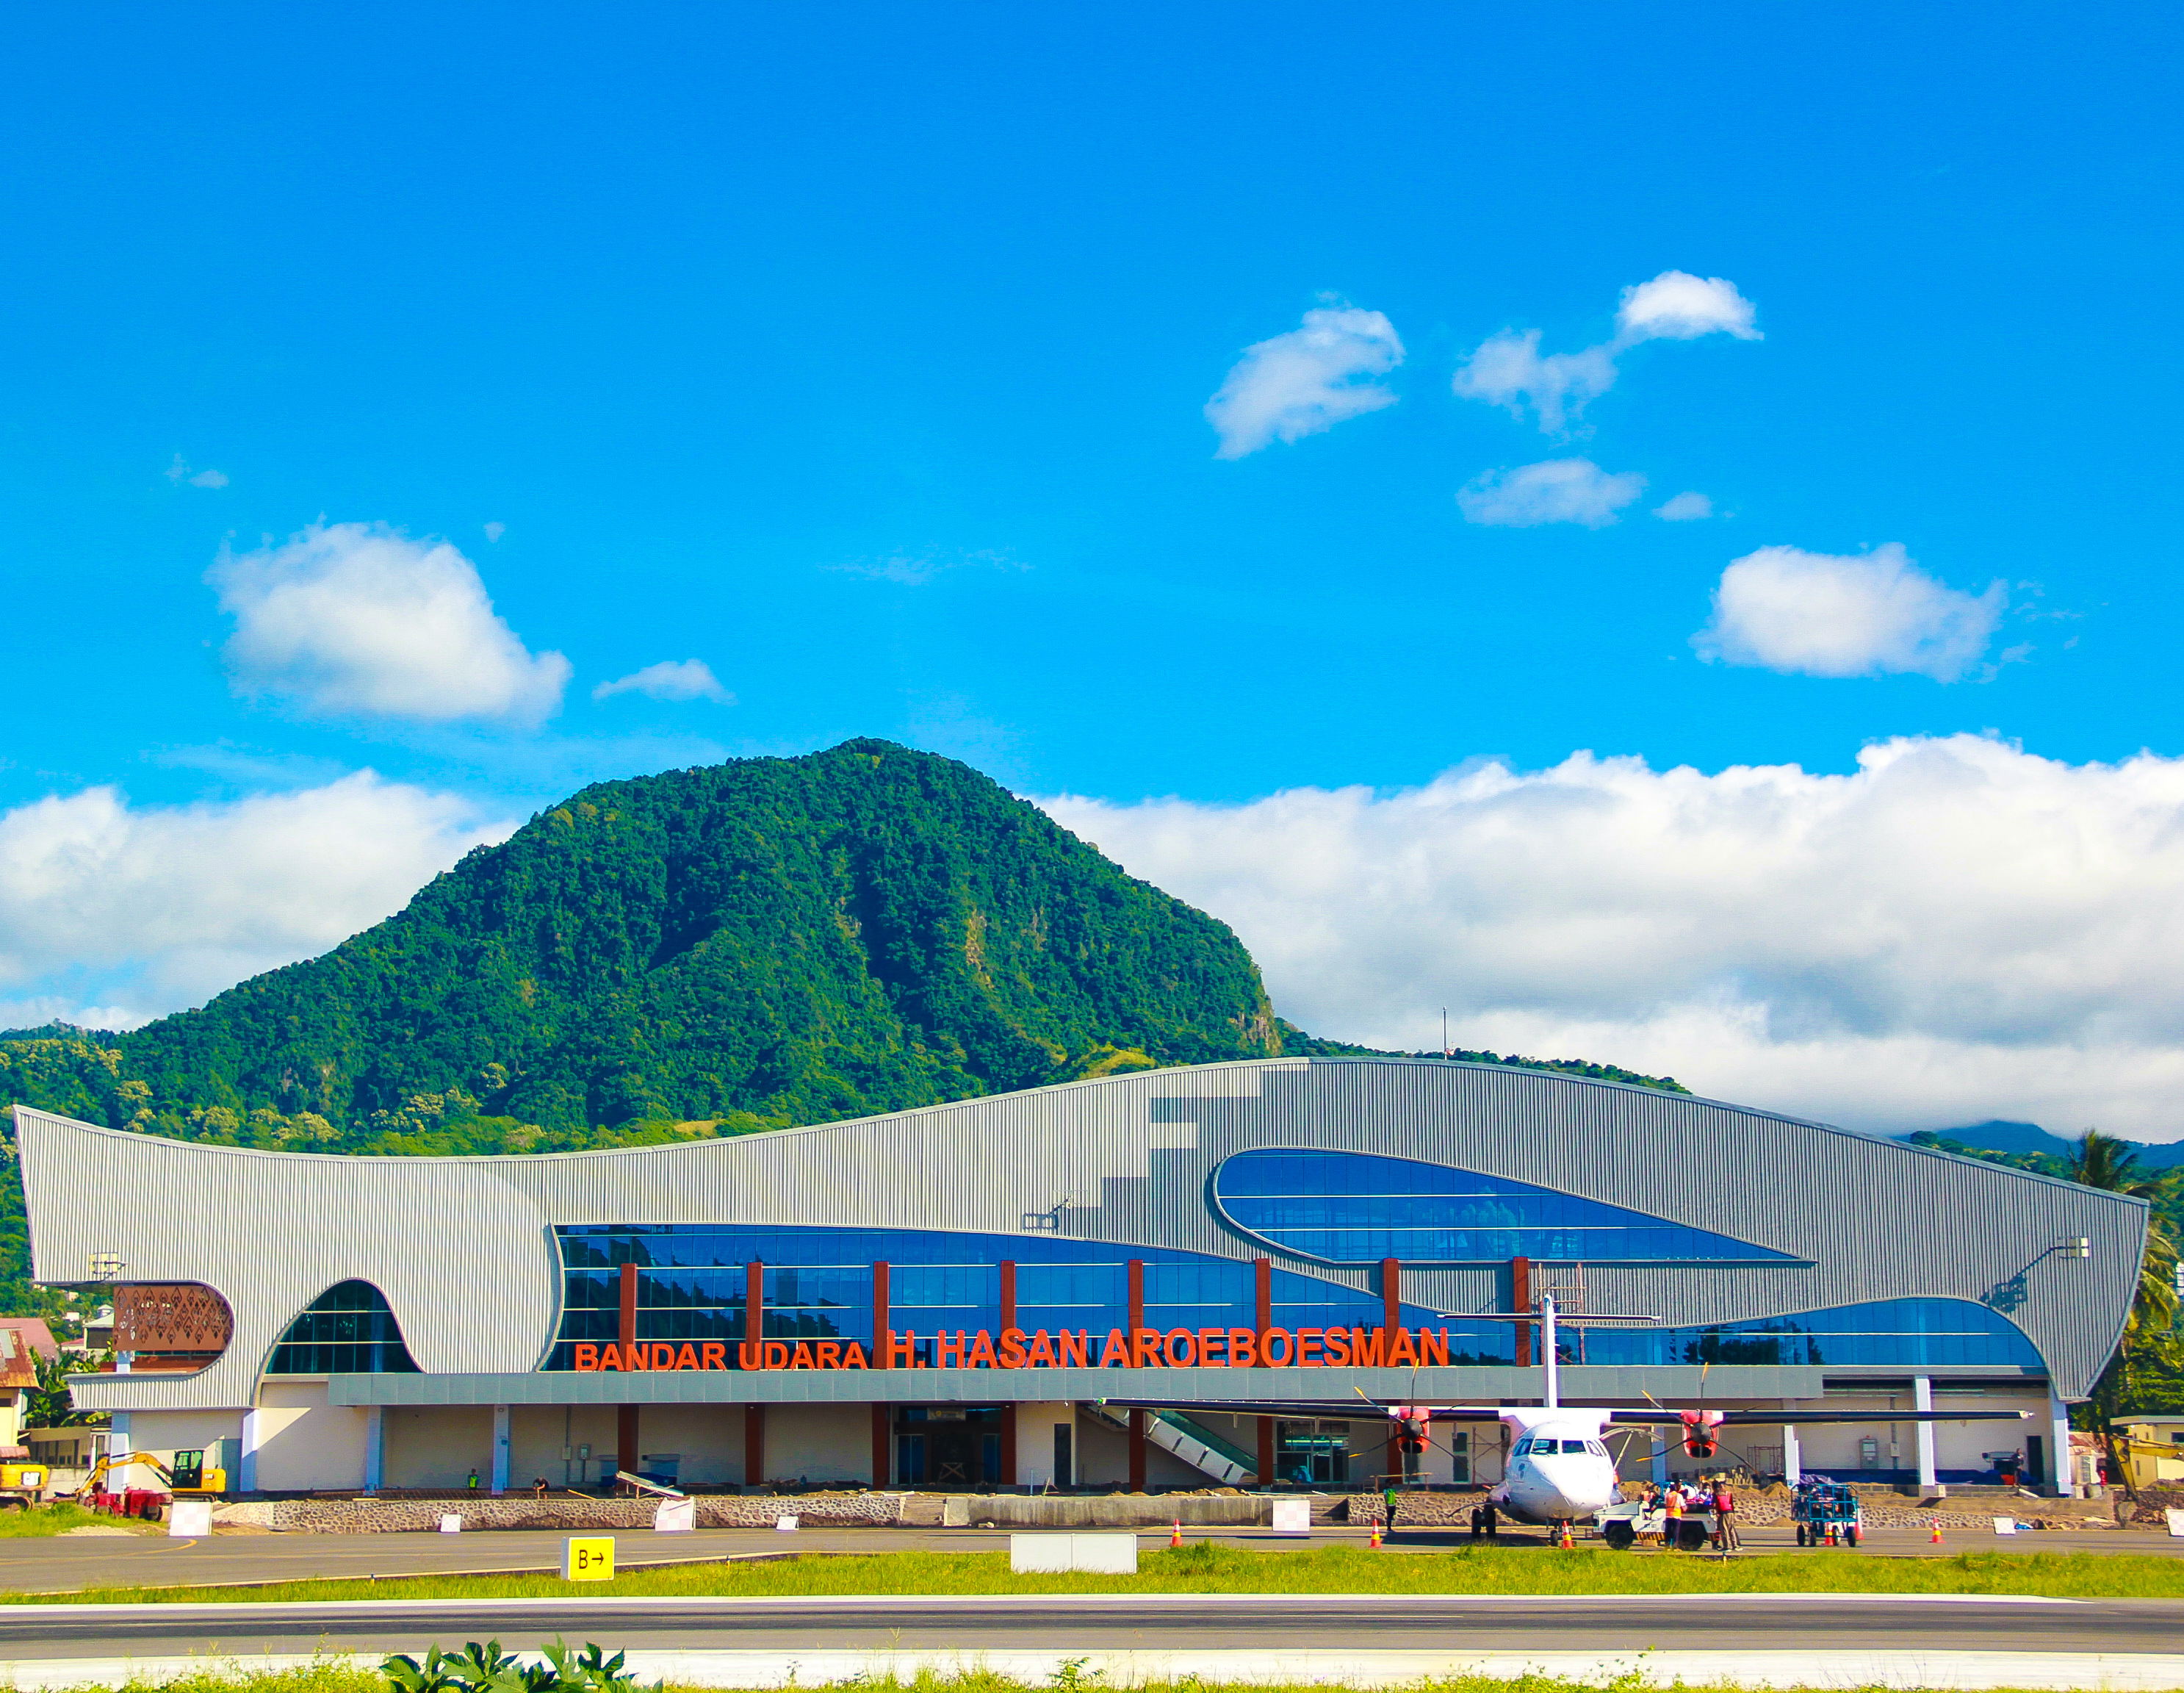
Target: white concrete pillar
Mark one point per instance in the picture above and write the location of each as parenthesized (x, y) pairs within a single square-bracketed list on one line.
[(500, 1450), (1793, 1456), (1922, 1399), (2058, 1446), (1661, 1441), (247, 1482), (375, 1448), (118, 1447)]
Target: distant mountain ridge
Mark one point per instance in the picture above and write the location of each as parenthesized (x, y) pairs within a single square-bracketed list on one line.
[(757, 944), (1999, 1135)]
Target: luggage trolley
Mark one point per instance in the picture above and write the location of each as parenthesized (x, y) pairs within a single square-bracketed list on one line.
[(1823, 1504)]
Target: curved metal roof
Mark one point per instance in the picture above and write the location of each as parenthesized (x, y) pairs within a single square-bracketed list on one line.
[(463, 1249)]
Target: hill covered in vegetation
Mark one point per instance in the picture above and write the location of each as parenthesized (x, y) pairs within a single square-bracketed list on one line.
[(759, 944)]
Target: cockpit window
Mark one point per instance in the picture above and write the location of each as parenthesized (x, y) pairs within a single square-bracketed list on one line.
[(1596, 1448), (1521, 1447)]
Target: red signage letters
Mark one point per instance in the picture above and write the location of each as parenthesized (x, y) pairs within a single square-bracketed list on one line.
[(1139, 1348)]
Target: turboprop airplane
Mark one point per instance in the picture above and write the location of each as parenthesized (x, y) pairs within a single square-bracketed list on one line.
[(1560, 1469)]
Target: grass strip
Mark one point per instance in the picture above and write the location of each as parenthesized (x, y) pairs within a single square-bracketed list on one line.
[(1208, 1567), (29, 1522), (336, 1677)]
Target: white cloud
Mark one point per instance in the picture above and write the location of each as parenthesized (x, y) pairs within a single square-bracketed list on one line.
[(1508, 370), (151, 908), (358, 618), (495, 531), (916, 570), (1685, 508), (180, 471), (1307, 381), (688, 678), (1558, 491), (1821, 614), (1677, 306), (1957, 930)]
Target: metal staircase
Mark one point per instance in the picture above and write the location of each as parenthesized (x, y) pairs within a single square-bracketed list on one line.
[(1193, 1442)]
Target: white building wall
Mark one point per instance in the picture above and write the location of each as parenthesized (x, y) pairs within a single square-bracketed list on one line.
[(164, 1433), (1035, 1426), (304, 1443), (820, 1442), (706, 1440), (437, 1446)]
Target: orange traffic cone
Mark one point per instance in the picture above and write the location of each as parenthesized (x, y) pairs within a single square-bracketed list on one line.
[(1175, 1536), (1937, 1531), (1568, 1543), (1374, 1543)]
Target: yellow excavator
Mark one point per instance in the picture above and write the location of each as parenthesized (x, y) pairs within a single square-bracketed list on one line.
[(187, 1478)]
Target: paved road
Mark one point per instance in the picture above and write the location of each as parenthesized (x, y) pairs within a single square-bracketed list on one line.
[(1770, 1621)]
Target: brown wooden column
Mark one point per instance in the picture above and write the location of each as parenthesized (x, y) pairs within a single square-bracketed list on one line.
[(881, 1320), (1008, 1293), (1263, 1272), (1138, 1448), (1395, 1456), (754, 1306), (1008, 1477), (882, 1429), (1392, 1295), (1520, 1301), (626, 1454), (1137, 1279), (1266, 1476), (754, 1445)]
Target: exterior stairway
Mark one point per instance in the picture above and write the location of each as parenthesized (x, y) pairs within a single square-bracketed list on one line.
[(1193, 1442)]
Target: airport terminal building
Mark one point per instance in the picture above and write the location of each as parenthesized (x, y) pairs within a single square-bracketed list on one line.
[(970, 1296)]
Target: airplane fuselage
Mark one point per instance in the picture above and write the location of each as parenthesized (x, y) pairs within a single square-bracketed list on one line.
[(1559, 1471)]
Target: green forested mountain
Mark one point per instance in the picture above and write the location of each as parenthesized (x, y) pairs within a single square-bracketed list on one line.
[(763, 943)]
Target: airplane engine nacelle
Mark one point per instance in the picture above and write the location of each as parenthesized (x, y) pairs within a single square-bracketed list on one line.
[(1702, 1432)]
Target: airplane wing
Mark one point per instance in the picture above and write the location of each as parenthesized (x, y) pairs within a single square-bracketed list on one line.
[(1799, 1418), (1331, 1410)]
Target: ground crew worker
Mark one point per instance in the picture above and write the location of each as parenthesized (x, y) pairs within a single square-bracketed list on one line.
[(1673, 1505), (472, 1483), (1388, 1498), (1725, 1516)]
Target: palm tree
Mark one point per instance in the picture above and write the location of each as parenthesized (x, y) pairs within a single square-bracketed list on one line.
[(2149, 1333)]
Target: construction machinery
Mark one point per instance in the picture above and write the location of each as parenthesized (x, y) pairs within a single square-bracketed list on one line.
[(21, 1484), (189, 1477)]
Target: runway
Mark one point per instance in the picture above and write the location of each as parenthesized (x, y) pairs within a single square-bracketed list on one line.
[(1115, 1622)]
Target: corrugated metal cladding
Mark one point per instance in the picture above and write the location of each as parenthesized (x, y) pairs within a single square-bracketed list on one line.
[(463, 1247)]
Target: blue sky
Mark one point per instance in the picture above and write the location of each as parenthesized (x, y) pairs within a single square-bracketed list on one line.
[(860, 356)]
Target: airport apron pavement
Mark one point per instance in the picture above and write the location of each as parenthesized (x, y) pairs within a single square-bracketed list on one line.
[(1748, 1621)]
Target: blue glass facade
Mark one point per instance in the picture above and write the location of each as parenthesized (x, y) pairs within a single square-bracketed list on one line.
[(1905, 1333), (347, 1330), (1358, 1208), (692, 1280)]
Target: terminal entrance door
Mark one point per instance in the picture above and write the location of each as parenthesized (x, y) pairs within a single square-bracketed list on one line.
[(1312, 1454), (948, 1446)]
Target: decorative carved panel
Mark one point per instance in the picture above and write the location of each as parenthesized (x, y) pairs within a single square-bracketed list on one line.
[(171, 1316)]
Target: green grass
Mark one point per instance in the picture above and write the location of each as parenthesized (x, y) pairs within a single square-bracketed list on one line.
[(56, 1518), (1208, 1567), (335, 1676)]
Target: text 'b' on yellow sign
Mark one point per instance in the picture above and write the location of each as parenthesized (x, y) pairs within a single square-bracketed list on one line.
[(587, 1557)]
